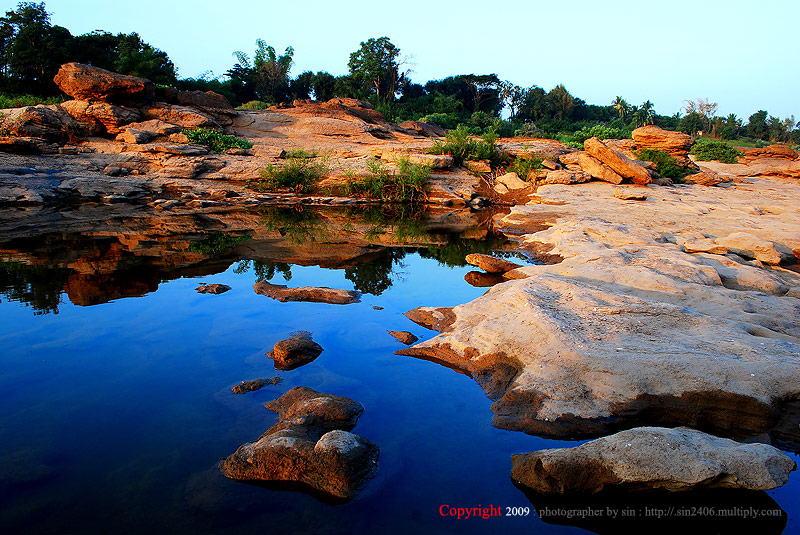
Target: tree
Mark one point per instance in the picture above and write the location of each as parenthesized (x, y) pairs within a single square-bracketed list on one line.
[(775, 128), (757, 125), (704, 108), (622, 107), (268, 75), (645, 114), (137, 58), (324, 86), (512, 96), (561, 102), (375, 68), (300, 87), (485, 91)]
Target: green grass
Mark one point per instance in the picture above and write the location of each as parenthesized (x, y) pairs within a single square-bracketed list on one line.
[(706, 149), (19, 101), (407, 184), (216, 141), (460, 144), (299, 172), (255, 105), (525, 167)]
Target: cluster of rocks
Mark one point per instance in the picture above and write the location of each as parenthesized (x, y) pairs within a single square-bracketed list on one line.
[(311, 445)]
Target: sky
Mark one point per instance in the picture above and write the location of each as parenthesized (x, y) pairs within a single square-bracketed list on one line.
[(740, 54)]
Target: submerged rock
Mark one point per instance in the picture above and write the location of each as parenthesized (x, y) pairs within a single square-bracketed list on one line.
[(255, 384), (212, 288), (307, 293), (653, 458), (297, 350), (311, 445), (404, 337)]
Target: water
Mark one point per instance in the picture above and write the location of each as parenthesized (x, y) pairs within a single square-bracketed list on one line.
[(115, 413)]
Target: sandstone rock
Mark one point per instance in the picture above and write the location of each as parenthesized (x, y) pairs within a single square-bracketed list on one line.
[(307, 293), (482, 166), (481, 279), (565, 176), (772, 151), (706, 178), (178, 115), (598, 169), (178, 138), (255, 384), (45, 122), (213, 288), (653, 137), (675, 460), (423, 128), (175, 149), (619, 163), (550, 164), (437, 319), (18, 145), (749, 246), (501, 189), (404, 337), (311, 444), (83, 82), (773, 167), (101, 117), (297, 350), (490, 264), (434, 161), (134, 136), (704, 245), (210, 103), (155, 128), (627, 194), (511, 181), (571, 158)]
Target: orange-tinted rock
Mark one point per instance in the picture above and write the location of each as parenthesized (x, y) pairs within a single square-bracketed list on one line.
[(423, 129), (598, 169), (404, 337), (437, 319), (772, 151), (255, 384), (706, 178), (655, 138), (209, 103), (490, 264), (619, 163), (100, 117), (627, 194), (46, 122), (212, 288), (310, 294), (83, 82), (179, 115), (479, 279), (565, 176), (311, 445), (297, 350)]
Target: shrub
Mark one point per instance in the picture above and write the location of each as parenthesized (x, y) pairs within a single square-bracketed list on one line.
[(463, 147), (666, 165), (445, 120), (254, 105), (706, 149), (525, 167), (301, 153), (298, 172), (216, 141), (405, 185)]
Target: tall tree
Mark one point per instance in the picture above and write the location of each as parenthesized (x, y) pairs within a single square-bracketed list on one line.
[(757, 125), (622, 107), (645, 114), (267, 77), (375, 68), (137, 58), (561, 102)]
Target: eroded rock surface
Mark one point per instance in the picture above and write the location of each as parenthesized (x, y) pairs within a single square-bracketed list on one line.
[(490, 264), (309, 294), (255, 384), (311, 445), (674, 460), (212, 288), (404, 337)]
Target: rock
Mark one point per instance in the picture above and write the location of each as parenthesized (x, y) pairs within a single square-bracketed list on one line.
[(437, 319), (101, 117), (773, 167), (482, 166), (311, 445), (212, 288), (629, 195), (307, 293), (772, 151), (423, 128), (706, 178), (178, 138), (501, 189), (749, 246), (404, 337), (235, 151), (210, 103), (480, 279), (565, 176), (178, 115), (134, 136), (550, 164), (155, 128), (434, 161), (83, 82), (297, 350), (652, 137), (490, 264), (175, 149), (18, 145), (571, 158), (704, 245), (46, 122), (598, 169), (255, 384), (674, 460), (619, 163), (512, 181)]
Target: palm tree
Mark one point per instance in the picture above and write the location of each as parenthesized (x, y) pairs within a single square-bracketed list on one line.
[(622, 107), (645, 114)]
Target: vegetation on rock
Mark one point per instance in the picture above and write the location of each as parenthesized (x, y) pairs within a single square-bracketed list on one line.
[(407, 184), (666, 165), (216, 141), (299, 171), (706, 149)]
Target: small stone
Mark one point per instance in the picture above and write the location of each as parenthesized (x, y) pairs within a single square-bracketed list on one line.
[(629, 195), (297, 350), (404, 337), (255, 384), (212, 288)]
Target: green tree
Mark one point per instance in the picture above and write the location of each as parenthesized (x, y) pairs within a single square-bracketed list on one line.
[(267, 77), (561, 102), (324, 86), (622, 107), (375, 69), (757, 125), (137, 58), (645, 114)]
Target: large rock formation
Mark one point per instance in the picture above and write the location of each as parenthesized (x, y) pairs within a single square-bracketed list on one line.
[(309, 294), (598, 169), (772, 151), (311, 445), (618, 162), (490, 264), (653, 458), (44, 122), (83, 82), (677, 144)]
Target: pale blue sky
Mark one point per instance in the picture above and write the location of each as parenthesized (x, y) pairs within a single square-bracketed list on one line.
[(741, 54)]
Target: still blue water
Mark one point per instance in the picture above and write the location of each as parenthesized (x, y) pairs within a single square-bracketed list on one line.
[(115, 415)]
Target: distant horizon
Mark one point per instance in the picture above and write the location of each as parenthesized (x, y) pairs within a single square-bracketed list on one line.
[(667, 55)]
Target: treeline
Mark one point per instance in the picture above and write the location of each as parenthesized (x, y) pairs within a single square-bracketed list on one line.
[(32, 49)]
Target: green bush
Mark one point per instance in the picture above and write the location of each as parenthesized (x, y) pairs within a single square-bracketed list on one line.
[(706, 149), (445, 120), (255, 105), (19, 101), (525, 167), (216, 141), (298, 172), (407, 184), (463, 147), (666, 165)]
